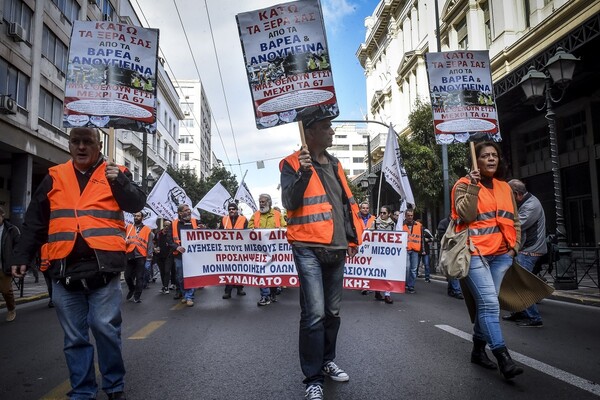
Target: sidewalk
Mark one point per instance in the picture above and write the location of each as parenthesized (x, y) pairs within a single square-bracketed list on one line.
[(33, 291)]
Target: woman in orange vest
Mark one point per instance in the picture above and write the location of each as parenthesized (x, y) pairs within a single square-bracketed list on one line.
[(485, 205)]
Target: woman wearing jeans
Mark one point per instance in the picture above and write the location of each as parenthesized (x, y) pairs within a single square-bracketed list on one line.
[(485, 206)]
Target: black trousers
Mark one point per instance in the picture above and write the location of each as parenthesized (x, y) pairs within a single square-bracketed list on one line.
[(134, 276)]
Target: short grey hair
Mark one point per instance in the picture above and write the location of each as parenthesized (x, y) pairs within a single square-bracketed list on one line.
[(518, 186), (266, 196)]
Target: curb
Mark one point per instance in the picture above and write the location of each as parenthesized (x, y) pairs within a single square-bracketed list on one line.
[(26, 299), (575, 299)]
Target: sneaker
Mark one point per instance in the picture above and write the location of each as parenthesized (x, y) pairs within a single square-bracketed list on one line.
[(172, 287), (264, 301), (116, 396), (334, 372), (50, 304), (273, 298), (137, 301), (314, 392), (427, 280), (183, 300), (129, 295), (189, 303), (240, 292), (365, 292), (166, 291), (278, 290), (458, 296), (530, 324), (410, 290), (514, 317), (11, 315), (378, 296), (227, 295), (388, 300)]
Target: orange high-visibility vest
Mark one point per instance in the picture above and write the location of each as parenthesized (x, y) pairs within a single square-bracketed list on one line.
[(415, 236), (44, 260), (495, 224), (369, 222), (138, 240), (93, 213), (313, 221), (175, 231), (276, 217), (239, 222)]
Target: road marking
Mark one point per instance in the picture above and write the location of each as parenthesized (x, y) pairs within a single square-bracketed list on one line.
[(559, 374), (147, 330), (178, 306)]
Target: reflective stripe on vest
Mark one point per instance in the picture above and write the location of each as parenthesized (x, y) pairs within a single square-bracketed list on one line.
[(93, 213), (494, 226), (175, 231), (138, 240), (312, 222)]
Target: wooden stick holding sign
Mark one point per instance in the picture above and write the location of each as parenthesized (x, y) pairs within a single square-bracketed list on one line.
[(302, 137), (111, 144), (473, 155)]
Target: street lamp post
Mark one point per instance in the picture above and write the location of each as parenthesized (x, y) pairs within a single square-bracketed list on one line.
[(558, 73)]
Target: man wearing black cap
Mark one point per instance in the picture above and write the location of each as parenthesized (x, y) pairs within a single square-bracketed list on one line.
[(233, 221), (323, 225)]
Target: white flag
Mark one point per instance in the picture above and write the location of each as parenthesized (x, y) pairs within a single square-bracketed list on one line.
[(166, 196), (216, 200), (393, 169), (400, 221), (148, 215), (243, 195)]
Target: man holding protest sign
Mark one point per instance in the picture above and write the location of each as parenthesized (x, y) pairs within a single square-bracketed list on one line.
[(323, 225), (184, 222)]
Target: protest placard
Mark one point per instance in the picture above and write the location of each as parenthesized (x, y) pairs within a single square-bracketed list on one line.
[(287, 61), (263, 257), (462, 96), (111, 76)]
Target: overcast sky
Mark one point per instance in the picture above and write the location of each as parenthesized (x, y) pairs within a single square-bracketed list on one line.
[(344, 22)]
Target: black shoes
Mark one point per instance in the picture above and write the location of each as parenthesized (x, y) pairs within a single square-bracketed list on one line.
[(240, 292), (226, 295), (378, 296), (456, 295), (514, 317), (507, 366), (388, 300), (530, 324), (129, 295), (479, 356), (116, 396)]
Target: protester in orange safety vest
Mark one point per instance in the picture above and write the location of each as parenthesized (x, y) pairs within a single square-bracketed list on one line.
[(78, 210), (323, 227), (233, 221), (140, 250), (414, 246), (484, 204), (365, 215), (266, 217), (184, 222)]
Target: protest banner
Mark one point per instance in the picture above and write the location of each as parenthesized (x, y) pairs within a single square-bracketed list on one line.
[(287, 61), (462, 96), (111, 76), (149, 217), (393, 169), (263, 257), (243, 194)]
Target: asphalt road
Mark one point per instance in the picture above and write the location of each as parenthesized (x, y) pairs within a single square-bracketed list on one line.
[(417, 348)]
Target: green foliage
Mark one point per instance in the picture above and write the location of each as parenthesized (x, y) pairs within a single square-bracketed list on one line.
[(196, 189), (423, 158)]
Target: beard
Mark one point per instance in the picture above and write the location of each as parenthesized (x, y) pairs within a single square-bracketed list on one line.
[(264, 209)]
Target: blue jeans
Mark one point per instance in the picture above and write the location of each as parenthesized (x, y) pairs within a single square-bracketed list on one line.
[(454, 286), (187, 294), (320, 296), (425, 259), (484, 281), (528, 262), (100, 311), (412, 264)]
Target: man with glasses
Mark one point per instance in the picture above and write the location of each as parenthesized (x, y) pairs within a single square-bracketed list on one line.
[(233, 221)]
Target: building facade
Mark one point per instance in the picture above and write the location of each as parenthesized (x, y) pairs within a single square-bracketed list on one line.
[(518, 34), (195, 139), (34, 40)]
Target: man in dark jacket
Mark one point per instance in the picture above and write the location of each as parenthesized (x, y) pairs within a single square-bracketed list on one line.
[(9, 236), (78, 210)]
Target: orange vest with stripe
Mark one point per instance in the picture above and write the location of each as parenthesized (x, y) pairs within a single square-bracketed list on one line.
[(415, 236), (494, 228), (239, 222), (312, 222), (369, 222), (276, 217), (138, 240), (44, 260), (175, 230), (93, 213)]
